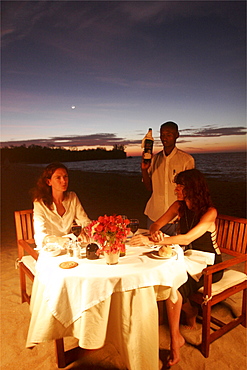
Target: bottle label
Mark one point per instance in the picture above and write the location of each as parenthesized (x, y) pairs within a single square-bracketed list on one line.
[(148, 146)]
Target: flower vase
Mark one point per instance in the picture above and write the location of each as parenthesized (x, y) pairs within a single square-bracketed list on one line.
[(111, 258)]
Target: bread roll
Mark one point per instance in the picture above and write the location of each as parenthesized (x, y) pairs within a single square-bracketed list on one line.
[(165, 251)]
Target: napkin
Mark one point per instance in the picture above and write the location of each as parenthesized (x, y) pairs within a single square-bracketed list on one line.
[(196, 261)]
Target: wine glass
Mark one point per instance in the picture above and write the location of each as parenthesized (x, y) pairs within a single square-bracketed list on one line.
[(76, 230), (134, 225)]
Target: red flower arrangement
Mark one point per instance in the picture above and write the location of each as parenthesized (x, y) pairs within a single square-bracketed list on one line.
[(110, 232)]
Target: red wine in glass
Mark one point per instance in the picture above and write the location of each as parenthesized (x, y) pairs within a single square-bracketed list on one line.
[(134, 225), (76, 230)]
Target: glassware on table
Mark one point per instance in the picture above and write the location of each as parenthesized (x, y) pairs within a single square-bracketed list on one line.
[(122, 254), (76, 250), (69, 248), (76, 230), (51, 247), (73, 249), (133, 225), (83, 250)]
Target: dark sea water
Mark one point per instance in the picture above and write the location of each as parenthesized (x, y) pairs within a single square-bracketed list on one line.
[(221, 166)]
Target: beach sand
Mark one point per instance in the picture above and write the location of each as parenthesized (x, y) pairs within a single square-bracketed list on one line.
[(100, 194)]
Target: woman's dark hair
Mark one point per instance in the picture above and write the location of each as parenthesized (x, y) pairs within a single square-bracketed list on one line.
[(195, 190), (43, 191)]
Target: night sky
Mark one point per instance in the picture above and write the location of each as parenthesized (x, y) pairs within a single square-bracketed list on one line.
[(98, 73)]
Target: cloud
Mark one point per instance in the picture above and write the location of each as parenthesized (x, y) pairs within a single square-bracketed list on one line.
[(111, 139), (205, 132), (22, 18), (114, 80), (93, 140), (140, 38), (213, 132), (19, 18)]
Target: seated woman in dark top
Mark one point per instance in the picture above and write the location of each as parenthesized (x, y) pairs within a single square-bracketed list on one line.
[(196, 230)]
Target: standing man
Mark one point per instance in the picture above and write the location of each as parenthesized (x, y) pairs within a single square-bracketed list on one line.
[(158, 176)]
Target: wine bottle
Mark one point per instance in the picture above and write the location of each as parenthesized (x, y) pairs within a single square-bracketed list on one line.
[(147, 144)]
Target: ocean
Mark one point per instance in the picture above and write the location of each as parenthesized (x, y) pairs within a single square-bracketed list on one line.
[(220, 166)]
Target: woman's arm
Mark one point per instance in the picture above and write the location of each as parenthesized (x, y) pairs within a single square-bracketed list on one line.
[(39, 218), (206, 223), (169, 215)]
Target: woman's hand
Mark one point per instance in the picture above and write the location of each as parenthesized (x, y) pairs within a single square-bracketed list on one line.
[(158, 236), (140, 240)]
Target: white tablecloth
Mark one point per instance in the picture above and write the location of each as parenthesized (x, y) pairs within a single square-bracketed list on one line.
[(196, 261), (69, 292), (98, 303)]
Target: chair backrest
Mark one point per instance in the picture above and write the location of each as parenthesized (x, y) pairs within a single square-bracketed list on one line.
[(24, 225), (232, 233), (24, 229)]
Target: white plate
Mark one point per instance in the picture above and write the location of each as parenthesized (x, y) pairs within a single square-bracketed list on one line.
[(156, 255)]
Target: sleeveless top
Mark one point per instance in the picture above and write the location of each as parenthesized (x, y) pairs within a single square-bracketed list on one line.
[(206, 242)]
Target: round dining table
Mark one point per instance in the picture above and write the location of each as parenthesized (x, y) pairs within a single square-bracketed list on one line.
[(99, 303)]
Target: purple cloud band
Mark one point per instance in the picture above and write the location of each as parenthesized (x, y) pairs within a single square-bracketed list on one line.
[(110, 139)]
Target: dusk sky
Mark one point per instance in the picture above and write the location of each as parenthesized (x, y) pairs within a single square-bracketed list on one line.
[(98, 73)]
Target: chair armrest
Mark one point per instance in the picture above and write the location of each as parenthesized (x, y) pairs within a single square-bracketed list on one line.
[(223, 265), (27, 247), (207, 272), (231, 252)]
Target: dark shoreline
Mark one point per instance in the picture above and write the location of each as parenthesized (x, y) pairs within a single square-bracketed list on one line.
[(103, 193)]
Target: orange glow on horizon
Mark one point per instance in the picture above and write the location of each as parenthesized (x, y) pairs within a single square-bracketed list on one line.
[(137, 152), (227, 144), (197, 145), (222, 149)]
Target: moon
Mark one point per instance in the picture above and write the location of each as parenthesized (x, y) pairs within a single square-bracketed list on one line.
[(73, 107)]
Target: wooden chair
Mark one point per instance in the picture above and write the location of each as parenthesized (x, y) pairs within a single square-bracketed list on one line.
[(232, 240), (27, 257)]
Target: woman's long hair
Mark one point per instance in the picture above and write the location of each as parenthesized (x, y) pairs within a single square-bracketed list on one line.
[(43, 191), (195, 190)]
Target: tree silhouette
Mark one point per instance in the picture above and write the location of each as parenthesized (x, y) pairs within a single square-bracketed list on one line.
[(39, 154)]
